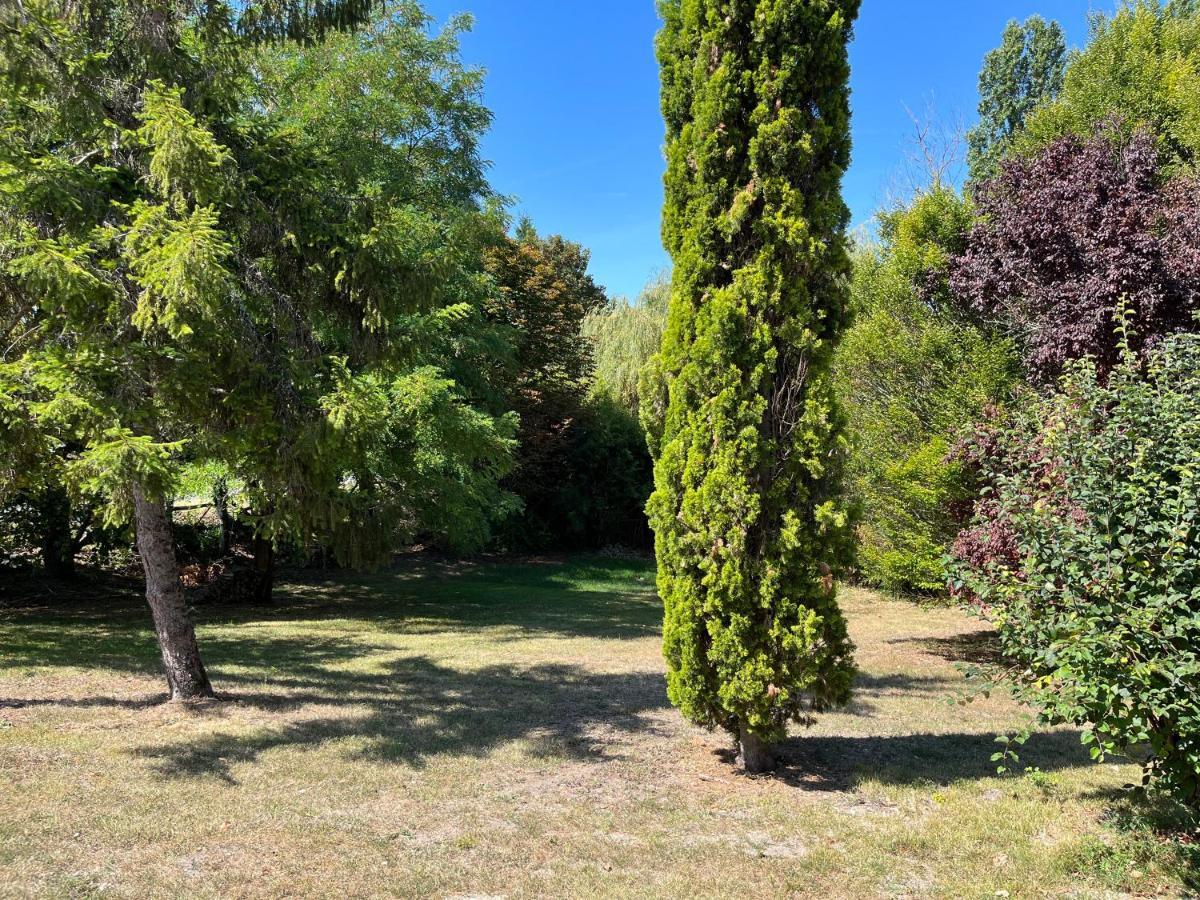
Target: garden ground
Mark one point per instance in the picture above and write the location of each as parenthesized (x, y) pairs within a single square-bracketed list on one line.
[(502, 729)]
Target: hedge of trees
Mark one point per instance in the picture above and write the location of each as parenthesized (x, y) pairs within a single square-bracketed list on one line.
[(1021, 378)]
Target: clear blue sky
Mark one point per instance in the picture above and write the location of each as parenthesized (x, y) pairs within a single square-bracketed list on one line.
[(577, 139)]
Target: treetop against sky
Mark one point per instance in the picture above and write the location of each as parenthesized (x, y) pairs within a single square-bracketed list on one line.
[(577, 139)]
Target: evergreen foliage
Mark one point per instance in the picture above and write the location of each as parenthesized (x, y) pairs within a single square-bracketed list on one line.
[(749, 521), (1025, 71)]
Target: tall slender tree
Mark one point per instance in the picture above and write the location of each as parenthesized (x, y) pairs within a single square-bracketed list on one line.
[(1024, 71), (750, 526)]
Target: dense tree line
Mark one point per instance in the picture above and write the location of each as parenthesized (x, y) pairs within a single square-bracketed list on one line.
[(250, 253), (1020, 381)]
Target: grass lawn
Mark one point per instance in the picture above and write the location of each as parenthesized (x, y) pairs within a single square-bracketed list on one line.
[(503, 730)]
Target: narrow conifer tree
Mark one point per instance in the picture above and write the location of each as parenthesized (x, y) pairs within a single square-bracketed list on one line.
[(747, 512)]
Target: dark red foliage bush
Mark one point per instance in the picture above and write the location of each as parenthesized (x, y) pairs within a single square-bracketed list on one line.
[(1066, 237)]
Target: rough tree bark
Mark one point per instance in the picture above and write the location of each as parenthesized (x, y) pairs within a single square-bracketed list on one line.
[(755, 756), (186, 676)]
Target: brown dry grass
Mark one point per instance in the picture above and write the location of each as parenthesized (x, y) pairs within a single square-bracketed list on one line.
[(503, 731)]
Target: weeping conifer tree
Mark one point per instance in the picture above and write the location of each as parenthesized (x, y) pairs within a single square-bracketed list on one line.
[(200, 267), (749, 450)]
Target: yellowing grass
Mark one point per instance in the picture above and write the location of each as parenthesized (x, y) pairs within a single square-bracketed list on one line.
[(502, 730)]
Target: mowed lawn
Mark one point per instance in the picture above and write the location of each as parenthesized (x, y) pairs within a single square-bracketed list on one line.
[(502, 730)]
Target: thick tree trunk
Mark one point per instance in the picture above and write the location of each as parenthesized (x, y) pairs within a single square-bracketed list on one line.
[(262, 573), (58, 540), (186, 676), (755, 756)]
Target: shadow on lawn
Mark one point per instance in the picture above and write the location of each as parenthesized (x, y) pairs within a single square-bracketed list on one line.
[(417, 709), (111, 629), (840, 763), (406, 710), (579, 599), (837, 763), (975, 648)]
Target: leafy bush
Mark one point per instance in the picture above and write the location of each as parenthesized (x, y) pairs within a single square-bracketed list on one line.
[(597, 483), (911, 378), (1066, 237), (1085, 553)]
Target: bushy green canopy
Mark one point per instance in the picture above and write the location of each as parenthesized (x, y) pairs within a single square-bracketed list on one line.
[(204, 263), (1141, 69), (913, 377), (1085, 555)]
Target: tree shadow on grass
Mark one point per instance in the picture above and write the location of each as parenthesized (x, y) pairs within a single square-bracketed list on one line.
[(836, 763), (409, 710), (418, 709), (110, 629), (981, 648)]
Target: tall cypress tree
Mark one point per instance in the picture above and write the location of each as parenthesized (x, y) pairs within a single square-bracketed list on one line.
[(747, 512)]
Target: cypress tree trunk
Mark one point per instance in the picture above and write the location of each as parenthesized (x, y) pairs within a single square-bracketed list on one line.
[(749, 524), (186, 676), (754, 755)]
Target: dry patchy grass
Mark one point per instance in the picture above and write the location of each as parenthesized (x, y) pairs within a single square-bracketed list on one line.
[(502, 730)]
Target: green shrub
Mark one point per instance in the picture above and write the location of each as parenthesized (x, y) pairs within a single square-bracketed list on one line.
[(911, 378), (597, 484), (1085, 553)]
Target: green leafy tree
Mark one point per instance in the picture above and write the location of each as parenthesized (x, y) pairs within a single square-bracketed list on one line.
[(624, 337), (750, 526), (544, 296), (913, 377), (386, 217), (1141, 68), (203, 281), (1025, 71)]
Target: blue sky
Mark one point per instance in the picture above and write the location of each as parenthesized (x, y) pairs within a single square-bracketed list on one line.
[(577, 140)]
